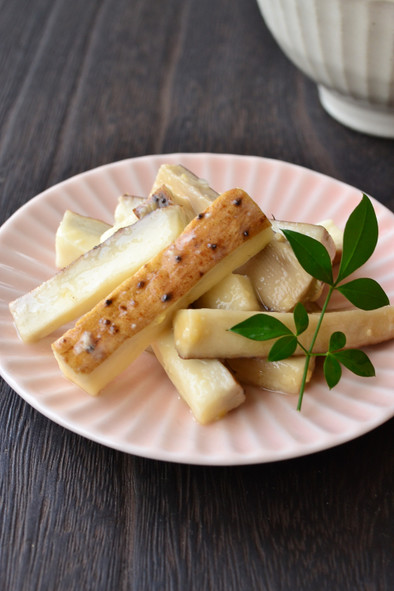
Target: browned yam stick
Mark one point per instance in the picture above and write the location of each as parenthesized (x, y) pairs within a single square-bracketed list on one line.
[(109, 337)]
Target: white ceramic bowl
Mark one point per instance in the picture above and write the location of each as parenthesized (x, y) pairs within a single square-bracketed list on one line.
[(347, 48)]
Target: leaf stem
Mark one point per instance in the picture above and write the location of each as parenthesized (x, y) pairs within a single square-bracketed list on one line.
[(309, 352), (304, 348), (303, 383)]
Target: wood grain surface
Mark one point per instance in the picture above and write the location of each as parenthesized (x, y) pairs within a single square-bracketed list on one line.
[(92, 82)]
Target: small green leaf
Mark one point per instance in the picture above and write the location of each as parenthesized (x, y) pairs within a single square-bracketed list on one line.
[(283, 348), (364, 293), (359, 238), (261, 327), (311, 255), (301, 318), (356, 361), (337, 341), (332, 371)]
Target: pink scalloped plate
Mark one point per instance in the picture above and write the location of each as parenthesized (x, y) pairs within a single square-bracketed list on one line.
[(140, 412)]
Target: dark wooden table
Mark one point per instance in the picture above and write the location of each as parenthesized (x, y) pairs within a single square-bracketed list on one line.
[(88, 83)]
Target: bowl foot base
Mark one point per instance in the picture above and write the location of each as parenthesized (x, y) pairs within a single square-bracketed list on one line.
[(358, 115)]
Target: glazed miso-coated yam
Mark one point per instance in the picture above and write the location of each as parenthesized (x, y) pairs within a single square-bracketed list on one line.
[(317, 231), (83, 283), (204, 333), (108, 338), (234, 292), (143, 207), (278, 376), (277, 276), (206, 385), (160, 198), (337, 236), (125, 206), (76, 234), (188, 189), (124, 214)]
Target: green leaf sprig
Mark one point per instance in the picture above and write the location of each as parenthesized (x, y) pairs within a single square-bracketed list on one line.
[(359, 242)]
